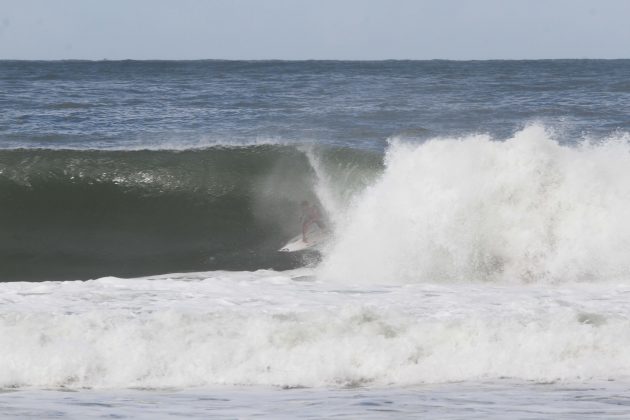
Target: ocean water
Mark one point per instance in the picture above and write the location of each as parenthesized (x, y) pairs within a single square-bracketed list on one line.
[(477, 265)]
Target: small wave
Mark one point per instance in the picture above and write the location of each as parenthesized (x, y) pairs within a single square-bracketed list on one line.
[(412, 132), (65, 142), (48, 76), (69, 105)]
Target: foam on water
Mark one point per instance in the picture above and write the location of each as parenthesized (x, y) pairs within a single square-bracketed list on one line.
[(288, 329), (527, 209)]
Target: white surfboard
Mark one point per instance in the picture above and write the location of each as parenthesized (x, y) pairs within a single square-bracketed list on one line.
[(314, 238)]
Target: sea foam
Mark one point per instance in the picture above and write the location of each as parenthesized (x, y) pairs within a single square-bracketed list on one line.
[(287, 329)]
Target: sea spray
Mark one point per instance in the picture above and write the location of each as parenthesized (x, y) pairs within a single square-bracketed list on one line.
[(340, 174), (526, 209)]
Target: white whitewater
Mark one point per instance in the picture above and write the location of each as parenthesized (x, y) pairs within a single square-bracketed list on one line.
[(472, 209), (285, 329)]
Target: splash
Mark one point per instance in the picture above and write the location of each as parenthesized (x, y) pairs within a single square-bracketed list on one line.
[(527, 209)]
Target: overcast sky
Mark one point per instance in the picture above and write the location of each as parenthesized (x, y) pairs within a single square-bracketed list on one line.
[(314, 29)]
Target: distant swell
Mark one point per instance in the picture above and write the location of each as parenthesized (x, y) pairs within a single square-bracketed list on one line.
[(68, 105)]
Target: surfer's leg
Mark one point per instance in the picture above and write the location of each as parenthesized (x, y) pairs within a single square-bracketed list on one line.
[(305, 227)]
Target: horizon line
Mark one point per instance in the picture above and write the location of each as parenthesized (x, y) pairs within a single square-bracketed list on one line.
[(97, 60)]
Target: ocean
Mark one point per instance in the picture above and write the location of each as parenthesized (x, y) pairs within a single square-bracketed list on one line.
[(477, 265)]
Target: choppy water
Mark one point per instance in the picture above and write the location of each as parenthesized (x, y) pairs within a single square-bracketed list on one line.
[(477, 265), (181, 104)]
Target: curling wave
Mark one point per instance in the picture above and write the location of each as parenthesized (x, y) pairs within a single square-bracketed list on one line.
[(72, 214)]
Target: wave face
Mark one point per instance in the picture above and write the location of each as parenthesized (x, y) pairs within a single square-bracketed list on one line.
[(526, 209), (83, 214)]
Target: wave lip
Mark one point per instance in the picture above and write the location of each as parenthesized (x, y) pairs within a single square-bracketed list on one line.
[(527, 209)]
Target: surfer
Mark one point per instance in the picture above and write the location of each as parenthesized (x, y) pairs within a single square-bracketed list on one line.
[(310, 215)]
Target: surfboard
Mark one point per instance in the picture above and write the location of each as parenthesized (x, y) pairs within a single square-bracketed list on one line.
[(315, 237)]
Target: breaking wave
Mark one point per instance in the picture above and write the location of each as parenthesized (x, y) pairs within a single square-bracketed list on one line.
[(525, 209)]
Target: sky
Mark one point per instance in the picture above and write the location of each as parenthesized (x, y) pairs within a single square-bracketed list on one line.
[(314, 29)]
